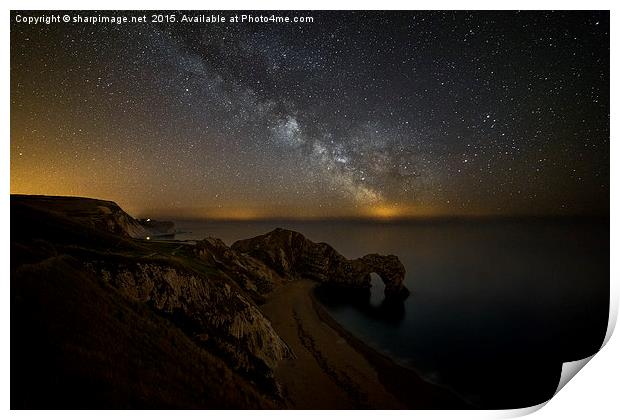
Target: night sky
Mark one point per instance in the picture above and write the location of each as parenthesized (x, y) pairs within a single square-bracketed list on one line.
[(353, 115)]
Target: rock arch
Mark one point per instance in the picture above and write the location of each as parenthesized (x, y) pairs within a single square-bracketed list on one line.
[(292, 255), (390, 270)]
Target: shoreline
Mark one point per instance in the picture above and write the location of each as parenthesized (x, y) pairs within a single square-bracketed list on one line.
[(398, 380), (340, 370)]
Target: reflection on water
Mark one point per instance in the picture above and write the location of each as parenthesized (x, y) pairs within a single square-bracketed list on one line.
[(495, 306)]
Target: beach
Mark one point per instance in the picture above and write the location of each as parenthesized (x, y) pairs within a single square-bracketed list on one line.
[(334, 370)]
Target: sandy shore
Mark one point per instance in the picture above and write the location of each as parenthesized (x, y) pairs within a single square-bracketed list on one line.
[(334, 370)]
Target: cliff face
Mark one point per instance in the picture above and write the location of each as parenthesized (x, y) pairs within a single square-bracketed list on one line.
[(292, 255), (211, 309), (98, 214), (208, 293), (249, 273), (79, 343)]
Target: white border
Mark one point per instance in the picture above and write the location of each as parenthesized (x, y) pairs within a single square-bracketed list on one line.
[(593, 394)]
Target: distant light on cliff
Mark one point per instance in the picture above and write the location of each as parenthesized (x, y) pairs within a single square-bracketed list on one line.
[(148, 238), (148, 220)]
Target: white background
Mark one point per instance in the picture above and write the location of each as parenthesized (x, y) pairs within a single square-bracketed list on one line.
[(594, 393)]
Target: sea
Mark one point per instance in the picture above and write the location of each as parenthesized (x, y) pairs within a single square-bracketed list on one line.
[(496, 305)]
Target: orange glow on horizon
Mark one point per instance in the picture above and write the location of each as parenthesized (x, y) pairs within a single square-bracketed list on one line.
[(385, 212)]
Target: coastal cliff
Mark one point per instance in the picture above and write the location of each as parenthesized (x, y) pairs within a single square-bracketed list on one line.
[(78, 263), (294, 256), (102, 215)]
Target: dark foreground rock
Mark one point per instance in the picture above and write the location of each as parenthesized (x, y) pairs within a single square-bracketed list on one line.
[(101, 319)]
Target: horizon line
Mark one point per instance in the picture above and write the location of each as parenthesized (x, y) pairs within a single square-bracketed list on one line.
[(419, 218), (352, 218)]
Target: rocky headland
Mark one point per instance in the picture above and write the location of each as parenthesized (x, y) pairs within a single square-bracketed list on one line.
[(101, 317)]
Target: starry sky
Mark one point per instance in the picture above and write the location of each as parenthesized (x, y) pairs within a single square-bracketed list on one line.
[(355, 114)]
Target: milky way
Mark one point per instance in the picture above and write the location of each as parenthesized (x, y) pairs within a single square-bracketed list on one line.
[(353, 114)]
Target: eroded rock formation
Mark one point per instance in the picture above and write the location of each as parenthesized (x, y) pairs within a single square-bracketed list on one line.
[(213, 310), (249, 273), (292, 255)]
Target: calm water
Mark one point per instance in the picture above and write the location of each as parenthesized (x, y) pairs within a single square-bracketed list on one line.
[(495, 306)]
